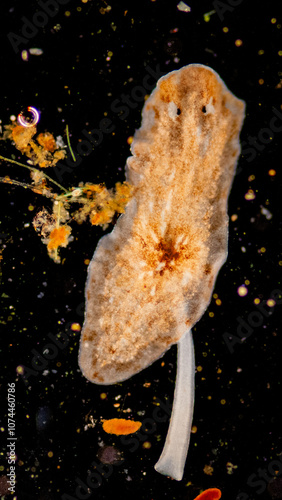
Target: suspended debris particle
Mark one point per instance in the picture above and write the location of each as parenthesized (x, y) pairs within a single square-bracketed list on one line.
[(266, 213), (36, 52), (24, 55), (242, 291), (207, 15), (109, 455), (250, 195), (183, 7), (121, 426), (210, 494), (208, 470)]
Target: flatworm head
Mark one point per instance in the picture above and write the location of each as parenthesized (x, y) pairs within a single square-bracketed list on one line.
[(151, 278)]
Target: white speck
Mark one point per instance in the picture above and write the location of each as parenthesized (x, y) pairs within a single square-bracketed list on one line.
[(179, 239), (142, 263), (199, 132), (210, 108), (35, 51), (186, 278), (171, 177), (76, 192), (60, 142), (153, 291), (162, 226), (183, 7), (243, 249), (160, 266), (266, 213), (154, 236), (172, 110)]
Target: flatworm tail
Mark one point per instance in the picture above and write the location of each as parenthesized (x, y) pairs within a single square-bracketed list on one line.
[(172, 460)]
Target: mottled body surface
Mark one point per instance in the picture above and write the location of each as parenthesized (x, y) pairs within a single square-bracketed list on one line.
[(152, 277)]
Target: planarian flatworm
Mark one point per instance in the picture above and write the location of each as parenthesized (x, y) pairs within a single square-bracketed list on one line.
[(151, 279)]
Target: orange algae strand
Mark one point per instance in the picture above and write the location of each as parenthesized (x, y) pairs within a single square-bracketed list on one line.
[(121, 426), (210, 494)]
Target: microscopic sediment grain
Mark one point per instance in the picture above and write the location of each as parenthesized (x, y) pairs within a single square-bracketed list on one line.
[(151, 278)]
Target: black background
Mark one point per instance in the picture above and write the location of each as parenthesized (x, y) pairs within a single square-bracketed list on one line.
[(73, 83)]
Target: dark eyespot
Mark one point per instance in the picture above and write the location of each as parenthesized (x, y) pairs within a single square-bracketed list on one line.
[(204, 110), (178, 111)]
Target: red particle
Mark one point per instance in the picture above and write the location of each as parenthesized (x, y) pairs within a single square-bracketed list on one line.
[(210, 494)]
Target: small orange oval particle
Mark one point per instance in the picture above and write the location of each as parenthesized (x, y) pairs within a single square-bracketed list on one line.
[(121, 426), (210, 494)]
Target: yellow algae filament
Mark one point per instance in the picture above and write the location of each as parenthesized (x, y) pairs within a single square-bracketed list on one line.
[(121, 426)]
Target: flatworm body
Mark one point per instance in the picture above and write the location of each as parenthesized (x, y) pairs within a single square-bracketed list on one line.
[(151, 278)]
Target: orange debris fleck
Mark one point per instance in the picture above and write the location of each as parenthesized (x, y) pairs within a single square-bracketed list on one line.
[(22, 135), (210, 494), (101, 218), (43, 151), (59, 237), (121, 426), (47, 141)]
